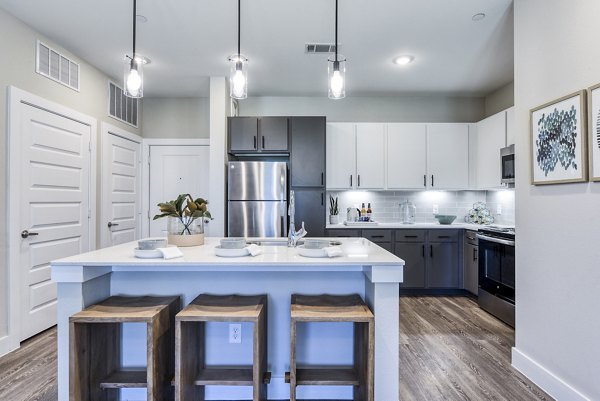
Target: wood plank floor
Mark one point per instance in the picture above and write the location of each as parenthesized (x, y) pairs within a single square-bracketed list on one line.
[(29, 373), (449, 350)]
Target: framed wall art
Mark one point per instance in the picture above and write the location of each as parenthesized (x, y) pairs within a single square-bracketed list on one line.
[(558, 141), (594, 132)]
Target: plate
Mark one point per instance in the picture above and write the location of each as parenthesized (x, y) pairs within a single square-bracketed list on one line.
[(230, 253), (147, 253)]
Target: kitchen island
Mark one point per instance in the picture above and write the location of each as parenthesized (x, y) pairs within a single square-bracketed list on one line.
[(279, 271)]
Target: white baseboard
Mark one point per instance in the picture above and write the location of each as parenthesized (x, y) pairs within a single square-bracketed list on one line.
[(543, 378)]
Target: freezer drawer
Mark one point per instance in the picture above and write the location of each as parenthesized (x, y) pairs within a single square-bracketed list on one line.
[(257, 219), (262, 181)]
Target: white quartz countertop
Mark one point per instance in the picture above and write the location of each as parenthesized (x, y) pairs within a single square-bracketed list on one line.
[(369, 254), (422, 226)]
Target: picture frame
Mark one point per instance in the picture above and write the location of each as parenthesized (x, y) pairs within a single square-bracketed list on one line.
[(593, 96), (558, 140)]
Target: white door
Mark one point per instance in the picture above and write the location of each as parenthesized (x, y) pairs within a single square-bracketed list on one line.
[(491, 137), (448, 156), (341, 156), (121, 187), (176, 170), (54, 207), (407, 156), (370, 156)]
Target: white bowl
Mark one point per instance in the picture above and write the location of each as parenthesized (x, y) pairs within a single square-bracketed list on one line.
[(151, 243), (233, 243)]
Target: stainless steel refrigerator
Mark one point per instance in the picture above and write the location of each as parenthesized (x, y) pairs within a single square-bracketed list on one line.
[(257, 199)]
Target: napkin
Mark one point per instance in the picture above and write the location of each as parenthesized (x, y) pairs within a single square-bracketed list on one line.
[(333, 251), (254, 250), (171, 252)]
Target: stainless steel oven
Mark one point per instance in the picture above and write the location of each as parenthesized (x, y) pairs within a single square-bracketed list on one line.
[(497, 272), (507, 163)]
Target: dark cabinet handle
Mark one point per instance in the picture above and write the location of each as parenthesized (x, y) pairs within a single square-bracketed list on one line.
[(263, 141), (111, 224), (26, 234), (424, 180), (431, 251), (432, 180), (423, 250), (377, 236), (411, 236), (358, 180), (254, 141), (443, 236), (323, 178), (350, 180), (322, 200)]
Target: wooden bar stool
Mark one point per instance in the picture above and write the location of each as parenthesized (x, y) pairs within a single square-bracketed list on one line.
[(191, 373), (95, 367), (335, 308)]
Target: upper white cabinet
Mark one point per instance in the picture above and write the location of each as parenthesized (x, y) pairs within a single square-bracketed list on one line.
[(448, 156), (355, 156), (491, 137), (406, 156), (370, 160), (510, 126), (341, 155)]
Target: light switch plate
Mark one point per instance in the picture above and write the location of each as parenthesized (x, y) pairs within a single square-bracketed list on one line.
[(436, 209), (235, 333), (499, 209)]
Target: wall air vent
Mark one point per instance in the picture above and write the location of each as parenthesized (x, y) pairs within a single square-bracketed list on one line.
[(121, 107), (319, 48), (56, 66)]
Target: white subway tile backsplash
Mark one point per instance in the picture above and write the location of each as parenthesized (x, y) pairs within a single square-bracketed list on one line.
[(386, 205)]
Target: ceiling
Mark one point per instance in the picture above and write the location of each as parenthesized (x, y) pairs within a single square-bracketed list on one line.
[(190, 40)]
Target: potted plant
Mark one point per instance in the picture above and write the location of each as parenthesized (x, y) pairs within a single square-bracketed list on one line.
[(334, 217), (186, 217)]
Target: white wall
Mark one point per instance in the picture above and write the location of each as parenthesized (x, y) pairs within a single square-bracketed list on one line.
[(501, 99), (17, 68), (176, 118), (558, 226), (370, 109)]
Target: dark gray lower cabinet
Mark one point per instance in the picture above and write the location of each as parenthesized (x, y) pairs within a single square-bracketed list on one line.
[(343, 233), (310, 208), (413, 255), (442, 271), (385, 245)]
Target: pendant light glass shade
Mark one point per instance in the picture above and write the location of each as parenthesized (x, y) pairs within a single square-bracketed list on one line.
[(337, 77), (133, 76), (238, 76)]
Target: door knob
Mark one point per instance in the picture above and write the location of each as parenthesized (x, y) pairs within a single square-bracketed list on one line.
[(111, 224), (26, 234)]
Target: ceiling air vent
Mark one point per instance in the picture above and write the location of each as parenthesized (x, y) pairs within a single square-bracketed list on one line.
[(121, 107), (56, 66), (319, 48)]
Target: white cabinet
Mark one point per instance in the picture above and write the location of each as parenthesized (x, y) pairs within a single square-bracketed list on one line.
[(341, 155), (491, 137), (448, 156), (510, 126), (370, 160), (355, 156), (406, 156)]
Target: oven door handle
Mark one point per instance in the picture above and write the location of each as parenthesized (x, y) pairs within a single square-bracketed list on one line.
[(496, 240)]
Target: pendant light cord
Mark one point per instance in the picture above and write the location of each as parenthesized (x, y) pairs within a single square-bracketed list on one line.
[(134, 26), (239, 24), (336, 30)]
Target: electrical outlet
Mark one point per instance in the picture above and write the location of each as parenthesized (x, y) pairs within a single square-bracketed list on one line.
[(436, 209), (235, 333), (499, 209)]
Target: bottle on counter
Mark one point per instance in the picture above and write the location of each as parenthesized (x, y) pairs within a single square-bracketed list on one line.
[(363, 212), (369, 212)]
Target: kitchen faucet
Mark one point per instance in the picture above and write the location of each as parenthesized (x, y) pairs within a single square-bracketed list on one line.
[(293, 235)]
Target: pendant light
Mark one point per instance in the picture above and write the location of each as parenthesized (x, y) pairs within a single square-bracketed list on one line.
[(133, 69), (238, 73), (336, 68)]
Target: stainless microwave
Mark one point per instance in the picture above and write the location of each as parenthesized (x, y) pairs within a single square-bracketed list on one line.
[(507, 165)]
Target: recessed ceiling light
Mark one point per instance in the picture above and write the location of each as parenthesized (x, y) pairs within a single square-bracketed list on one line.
[(141, 19), (404, 60), (478, 17)]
